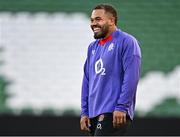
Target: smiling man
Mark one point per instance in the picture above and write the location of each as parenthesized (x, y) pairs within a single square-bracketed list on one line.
[(111, 75)]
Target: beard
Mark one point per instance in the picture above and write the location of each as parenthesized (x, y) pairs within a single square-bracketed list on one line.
[(103, 31)]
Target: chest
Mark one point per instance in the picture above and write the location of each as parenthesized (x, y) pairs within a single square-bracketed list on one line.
[(105, 55)]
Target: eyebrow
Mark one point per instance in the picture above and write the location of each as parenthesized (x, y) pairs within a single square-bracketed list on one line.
[(96, 18)]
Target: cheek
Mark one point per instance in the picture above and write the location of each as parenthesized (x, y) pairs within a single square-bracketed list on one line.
[(102, 22), (109, 23)]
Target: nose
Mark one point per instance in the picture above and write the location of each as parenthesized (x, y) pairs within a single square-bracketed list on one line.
[(93, 23)]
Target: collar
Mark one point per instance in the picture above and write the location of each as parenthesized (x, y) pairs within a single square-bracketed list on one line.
[(103, 41)]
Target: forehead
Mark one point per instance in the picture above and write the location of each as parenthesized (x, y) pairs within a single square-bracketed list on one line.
[(98, 13)]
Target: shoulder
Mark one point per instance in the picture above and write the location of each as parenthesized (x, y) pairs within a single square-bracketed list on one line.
[(92, 44), (124, 37), (128, 37), (130, 43), (91, 47)]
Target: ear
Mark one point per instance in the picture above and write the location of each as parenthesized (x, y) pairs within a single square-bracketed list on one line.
[(111, 21)]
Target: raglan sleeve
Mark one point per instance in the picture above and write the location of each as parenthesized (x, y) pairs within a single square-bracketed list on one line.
[(85, 89), (131, 62)]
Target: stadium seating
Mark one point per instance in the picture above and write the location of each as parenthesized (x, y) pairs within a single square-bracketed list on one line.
[(45, 47)]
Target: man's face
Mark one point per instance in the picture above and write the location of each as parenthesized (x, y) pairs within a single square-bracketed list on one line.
[(100, 23)]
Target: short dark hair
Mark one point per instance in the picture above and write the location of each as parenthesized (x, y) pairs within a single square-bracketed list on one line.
[(108, 8)]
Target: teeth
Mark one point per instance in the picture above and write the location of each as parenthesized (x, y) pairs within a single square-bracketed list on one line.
[(96, 29)]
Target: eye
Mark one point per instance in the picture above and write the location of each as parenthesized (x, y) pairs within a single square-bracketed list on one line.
[(98, 19)]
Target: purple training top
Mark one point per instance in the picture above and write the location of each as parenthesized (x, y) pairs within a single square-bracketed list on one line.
[(111, 75)]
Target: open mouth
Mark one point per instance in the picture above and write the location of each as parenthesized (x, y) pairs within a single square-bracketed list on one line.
[(96, 29)]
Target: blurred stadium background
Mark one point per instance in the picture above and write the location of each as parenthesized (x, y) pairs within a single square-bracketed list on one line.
[(43, 46)]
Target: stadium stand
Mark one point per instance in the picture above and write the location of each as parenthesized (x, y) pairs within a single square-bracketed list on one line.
[(45, 45)]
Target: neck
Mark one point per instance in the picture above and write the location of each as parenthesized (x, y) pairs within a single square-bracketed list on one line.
[(111, 30)]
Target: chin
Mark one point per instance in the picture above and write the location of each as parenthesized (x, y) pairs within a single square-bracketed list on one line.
[(96, 36)]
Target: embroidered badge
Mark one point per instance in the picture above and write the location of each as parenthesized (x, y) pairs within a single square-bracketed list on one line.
[(93, 51), (111, 47)]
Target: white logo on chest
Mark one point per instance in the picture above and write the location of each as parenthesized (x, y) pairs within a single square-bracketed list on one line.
[(99, 67), (93, 51), (111, 47)]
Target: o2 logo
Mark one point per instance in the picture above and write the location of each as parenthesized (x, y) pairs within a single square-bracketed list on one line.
[(99, 69)]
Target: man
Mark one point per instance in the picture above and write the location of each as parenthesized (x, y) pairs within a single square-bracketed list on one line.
[(111, 74)]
